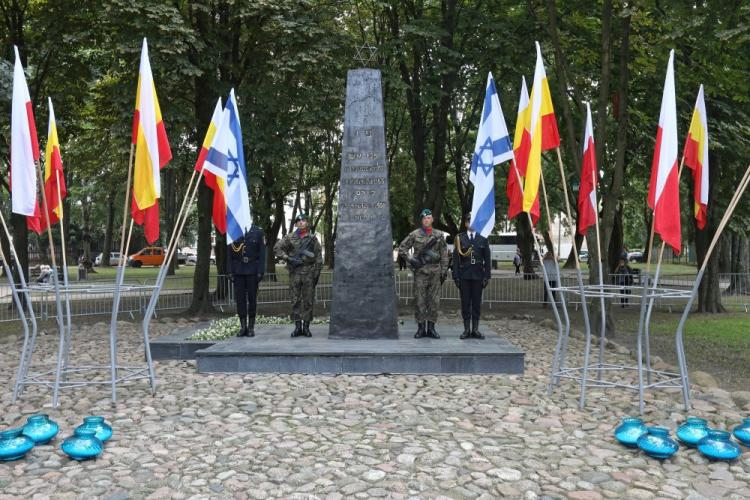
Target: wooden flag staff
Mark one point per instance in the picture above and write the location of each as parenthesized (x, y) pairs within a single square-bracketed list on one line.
[(584, 302), (55, 281), (681, 325), (124, 247)]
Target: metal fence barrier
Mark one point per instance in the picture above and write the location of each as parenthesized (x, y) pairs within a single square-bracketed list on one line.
[(503, 288)]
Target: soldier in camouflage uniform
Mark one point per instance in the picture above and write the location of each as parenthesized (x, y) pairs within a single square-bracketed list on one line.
[(302, 253), (429, 263)]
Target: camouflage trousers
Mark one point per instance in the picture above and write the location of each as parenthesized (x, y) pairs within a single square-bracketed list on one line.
[(302, 295), (427, 294)]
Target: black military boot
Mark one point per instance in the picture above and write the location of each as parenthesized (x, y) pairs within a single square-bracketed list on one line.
[(297, 329), (431, 332), (243, 327), (420, 330), (467, 330), (306, 329), (251, 327), (475, 329)]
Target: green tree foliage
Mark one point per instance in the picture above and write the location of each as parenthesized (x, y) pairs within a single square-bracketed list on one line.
[(287, 61)]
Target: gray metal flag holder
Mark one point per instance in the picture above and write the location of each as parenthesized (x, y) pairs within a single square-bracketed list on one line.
[(650, 292), (65, 375), (592, 374), (61, 377)]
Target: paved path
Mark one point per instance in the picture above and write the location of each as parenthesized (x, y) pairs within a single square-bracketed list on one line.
[(300, 436)]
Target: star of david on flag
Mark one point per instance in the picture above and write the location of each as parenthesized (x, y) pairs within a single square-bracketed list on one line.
[(493, 147), (226, 159)]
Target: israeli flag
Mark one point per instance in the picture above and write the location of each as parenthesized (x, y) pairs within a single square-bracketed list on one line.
[(492, 148), (226, 158)]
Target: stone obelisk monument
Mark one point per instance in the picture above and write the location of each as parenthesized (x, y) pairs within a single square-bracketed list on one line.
[(364, 292)]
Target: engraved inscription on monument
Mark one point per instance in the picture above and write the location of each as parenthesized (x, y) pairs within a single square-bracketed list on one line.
[(363, 305)]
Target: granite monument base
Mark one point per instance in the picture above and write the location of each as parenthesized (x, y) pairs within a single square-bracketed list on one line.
[(273, 351)]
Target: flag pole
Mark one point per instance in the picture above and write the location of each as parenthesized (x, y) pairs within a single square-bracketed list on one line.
[(182, 207), (23, 367), (69, 327), (21, 314), (58, 303), (681, 325), (727, 214), (657, 272), (584, 302), (180, 221), (179, 226), (124, 246), (562, 343), (561, 336), (127, 199), (602, 304)]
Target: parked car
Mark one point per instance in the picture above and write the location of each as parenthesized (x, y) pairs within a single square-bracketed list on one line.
[(635, 256), (193, 258), (149, 256), (114, 259), (181, 257), (583, 255)]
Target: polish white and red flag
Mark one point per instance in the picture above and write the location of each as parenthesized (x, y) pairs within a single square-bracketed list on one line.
[(587, 209), (664, 189), (24, 151)]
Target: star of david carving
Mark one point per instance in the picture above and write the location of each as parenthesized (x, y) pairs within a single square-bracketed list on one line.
[(234, 174), (366, 54), (485, 155)]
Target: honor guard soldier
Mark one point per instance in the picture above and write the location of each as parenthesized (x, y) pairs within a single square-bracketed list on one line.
[(430, 266), (472, 271), (247, 263), (304, 259)]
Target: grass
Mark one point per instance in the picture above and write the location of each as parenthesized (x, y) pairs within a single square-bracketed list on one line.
[(668, 269), (715, 343)]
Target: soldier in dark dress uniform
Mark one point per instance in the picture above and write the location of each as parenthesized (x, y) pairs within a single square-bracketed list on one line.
[(472, 271), (247, 263)]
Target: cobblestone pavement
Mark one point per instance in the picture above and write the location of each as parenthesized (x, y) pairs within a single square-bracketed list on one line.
[(299, 436)]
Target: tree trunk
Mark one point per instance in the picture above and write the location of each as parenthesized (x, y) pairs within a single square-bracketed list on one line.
[(201, 295), (109, 229), (170, 216), (725, 253), (21, 243), (740, 281), (570, 263), (565, 87), (611, 199), (709, 293), (604, 82), (272, 235), (412, 80), (86, 233), (525, 241), (222, 268), (615, 243)]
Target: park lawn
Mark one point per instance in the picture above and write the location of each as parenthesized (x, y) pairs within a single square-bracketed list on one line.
[(715, 343), (182, 279), (668, 268)]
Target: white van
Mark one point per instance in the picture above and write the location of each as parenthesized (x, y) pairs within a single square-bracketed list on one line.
[(503, 246)]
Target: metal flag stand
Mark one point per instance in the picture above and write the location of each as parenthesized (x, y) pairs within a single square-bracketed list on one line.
[(63, 376), (649, 292)]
